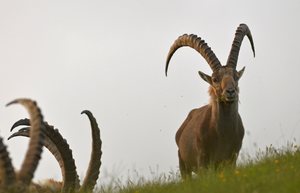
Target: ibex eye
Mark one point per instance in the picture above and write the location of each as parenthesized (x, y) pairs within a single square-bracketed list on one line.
[(214, 79)]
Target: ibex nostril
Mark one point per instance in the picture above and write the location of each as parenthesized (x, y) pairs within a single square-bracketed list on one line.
[(230, 92)]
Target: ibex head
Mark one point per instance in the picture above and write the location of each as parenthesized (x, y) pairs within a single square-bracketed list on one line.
[(224, 83), (224, 79)]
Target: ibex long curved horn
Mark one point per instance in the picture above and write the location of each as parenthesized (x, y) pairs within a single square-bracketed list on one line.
[(59, 148), (35, 146), (65, 157), (7, 173), (240, 33), (21, 122), (199, 45), (93, 171)]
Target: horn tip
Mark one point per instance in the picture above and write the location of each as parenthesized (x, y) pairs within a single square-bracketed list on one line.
[(20, 100), (12, 128), (167, 65), (86, 112), (12, 102)]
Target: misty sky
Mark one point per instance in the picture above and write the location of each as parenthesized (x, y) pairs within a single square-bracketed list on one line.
[(109, 57)]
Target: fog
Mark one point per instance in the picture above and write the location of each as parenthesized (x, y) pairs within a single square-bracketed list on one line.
[(109, 57)]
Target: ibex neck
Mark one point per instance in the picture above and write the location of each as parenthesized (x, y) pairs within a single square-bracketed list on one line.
[(225, 116)]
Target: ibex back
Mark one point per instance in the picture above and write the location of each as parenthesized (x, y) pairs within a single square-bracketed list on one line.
[(212, 134)]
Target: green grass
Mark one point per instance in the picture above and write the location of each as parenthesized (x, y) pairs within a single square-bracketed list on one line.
[(273, 170)]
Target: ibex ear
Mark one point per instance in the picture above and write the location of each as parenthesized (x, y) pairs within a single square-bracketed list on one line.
[(205, 77), (240, 73)]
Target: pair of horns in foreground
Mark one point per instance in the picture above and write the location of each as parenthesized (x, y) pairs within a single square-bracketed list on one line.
[(57, 145)]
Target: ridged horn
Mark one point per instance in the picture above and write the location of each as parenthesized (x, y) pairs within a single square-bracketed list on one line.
[(35, 147), (59, 148), (7, 172), (240, 33), (24, 132), (199, 45), (21, 122), (93, 171)]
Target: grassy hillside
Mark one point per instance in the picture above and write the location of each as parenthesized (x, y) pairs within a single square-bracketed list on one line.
[(272, 170)]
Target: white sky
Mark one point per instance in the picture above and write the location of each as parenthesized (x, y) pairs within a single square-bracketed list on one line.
[(109, 57)]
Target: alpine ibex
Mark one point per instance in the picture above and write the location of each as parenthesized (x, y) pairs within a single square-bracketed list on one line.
[(59, 147), (212, 134), (19, 181)]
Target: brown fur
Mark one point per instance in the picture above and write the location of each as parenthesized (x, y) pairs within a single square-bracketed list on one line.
[(212, 134), (47, 186)]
